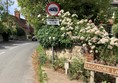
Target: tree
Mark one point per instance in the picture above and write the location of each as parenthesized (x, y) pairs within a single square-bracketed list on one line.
[(84, 8), (89, 9), (6, 22)]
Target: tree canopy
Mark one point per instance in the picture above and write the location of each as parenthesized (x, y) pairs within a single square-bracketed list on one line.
[(7, 22), (89, 9), (5, 18)]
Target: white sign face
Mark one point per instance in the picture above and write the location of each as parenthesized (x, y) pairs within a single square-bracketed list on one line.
[(53, 9), (53, 22), (66, 65)]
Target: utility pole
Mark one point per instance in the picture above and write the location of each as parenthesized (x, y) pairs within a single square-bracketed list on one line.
[(7, 6), (8, 13)]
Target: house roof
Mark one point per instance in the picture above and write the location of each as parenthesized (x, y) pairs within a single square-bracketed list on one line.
[(23, 24)]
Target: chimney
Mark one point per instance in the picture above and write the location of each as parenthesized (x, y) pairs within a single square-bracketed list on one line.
[(17, 14)]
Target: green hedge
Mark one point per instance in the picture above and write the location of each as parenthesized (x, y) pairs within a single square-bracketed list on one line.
[(49, 36)]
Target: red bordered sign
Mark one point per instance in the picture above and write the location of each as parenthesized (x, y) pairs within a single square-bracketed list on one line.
[(52, 9)]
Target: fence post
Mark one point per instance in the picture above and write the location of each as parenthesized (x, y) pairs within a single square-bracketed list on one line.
[(116, 79), (91, 76), (66, 66)]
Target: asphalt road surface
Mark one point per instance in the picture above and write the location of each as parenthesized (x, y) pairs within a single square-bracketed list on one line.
[(15, 62)]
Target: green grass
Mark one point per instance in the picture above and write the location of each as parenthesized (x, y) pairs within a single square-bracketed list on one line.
[(41, 60)]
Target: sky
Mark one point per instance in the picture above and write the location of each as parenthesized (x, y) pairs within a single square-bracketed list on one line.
[(13, 7)]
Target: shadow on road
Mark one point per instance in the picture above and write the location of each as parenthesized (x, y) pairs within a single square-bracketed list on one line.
[(3, 44)]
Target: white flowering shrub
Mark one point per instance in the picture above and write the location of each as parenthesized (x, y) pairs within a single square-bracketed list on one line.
[(115, 30), (97, 40), (58, 36), (51, 36), (70, 25), (71, 30)]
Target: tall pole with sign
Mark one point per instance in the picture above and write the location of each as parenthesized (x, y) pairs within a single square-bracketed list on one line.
[(52, 9)]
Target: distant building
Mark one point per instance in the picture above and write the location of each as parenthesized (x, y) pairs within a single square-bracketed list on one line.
[(28, 29), (114, 2)]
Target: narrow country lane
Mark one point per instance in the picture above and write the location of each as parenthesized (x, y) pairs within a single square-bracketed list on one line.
[(15, 62)]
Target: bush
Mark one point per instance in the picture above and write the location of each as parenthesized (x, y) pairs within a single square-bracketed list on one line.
[(40, 49), (49, 36), (42, 75), (42, 55), (100, 77), (42, 60), (59, 63), (115, 30), (77, 71)]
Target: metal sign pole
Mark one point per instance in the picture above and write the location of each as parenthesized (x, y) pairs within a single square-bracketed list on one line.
[(52, 55), (52, 9)]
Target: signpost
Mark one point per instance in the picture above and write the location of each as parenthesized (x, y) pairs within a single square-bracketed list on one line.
[(53, 22), (101, 68), (52, 9), (94, 67)]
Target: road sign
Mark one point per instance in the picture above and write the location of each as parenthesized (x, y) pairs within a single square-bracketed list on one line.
[(52, 9), (53, 22), (101, 68)]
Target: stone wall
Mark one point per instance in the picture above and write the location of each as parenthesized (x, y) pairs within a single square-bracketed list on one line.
[(67, 53)]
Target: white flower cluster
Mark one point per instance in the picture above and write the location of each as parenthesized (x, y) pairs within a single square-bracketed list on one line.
[(63, 35), (96, 35), (66, 21), (74, 15), (51, 38), (103, 40), (82, 21), (75, 37), (66, 14), (39, 15), (114, 41), (62, 28)]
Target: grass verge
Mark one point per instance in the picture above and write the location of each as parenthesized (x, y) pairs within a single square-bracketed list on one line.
[(40, 75)]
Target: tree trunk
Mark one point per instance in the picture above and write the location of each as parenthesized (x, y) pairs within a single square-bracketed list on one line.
[(5, 36)]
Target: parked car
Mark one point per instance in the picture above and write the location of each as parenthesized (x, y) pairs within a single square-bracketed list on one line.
[(34, 38), (53, 9)]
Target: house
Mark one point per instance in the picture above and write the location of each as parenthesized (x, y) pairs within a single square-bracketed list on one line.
[(28, 29)]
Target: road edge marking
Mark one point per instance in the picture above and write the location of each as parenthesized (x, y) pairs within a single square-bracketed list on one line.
[(2, 53)]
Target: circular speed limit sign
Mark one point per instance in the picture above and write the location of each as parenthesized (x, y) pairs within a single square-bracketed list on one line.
[(52, 9)]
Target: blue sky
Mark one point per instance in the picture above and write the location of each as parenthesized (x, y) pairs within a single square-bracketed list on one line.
[(13, 7)]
